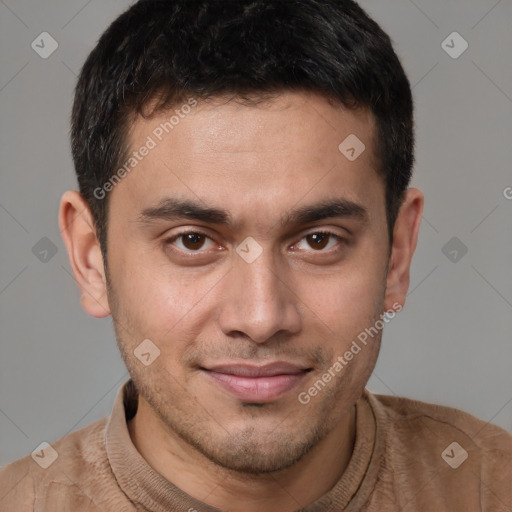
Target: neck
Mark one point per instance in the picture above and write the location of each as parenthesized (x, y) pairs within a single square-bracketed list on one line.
[(284, 491)]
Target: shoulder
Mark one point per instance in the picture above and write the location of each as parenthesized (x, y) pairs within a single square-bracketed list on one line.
[(76, 457), (442, 450), (438, 420)]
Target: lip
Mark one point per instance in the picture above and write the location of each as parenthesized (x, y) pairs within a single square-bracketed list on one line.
[(257, 384)]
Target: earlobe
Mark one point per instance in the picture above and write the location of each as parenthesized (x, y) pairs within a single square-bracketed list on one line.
[(405, 237), (79, 235)]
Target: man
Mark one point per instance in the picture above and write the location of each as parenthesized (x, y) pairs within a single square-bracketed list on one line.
[(244, 215)]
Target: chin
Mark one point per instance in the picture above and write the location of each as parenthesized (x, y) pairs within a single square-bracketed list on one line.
[(252, 452)]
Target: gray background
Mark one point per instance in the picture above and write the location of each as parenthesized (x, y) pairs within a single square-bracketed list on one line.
[(60, 368)]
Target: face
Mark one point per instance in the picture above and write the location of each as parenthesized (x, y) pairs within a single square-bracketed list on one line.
[(252, 253)]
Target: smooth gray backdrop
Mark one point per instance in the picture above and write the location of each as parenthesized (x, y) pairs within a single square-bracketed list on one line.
[(60, 368)]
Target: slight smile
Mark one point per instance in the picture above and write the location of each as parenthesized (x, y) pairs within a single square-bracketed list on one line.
[(257, 383)]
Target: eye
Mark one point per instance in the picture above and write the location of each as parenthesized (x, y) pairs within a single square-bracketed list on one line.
[(191, 241), (319, 241)]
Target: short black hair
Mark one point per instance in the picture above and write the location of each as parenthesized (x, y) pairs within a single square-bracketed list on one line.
[(160, 52)]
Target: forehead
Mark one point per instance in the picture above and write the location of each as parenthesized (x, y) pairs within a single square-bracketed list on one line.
[(260, 158), (271, 125)]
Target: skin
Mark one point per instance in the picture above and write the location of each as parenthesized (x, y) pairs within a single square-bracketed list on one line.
[(296, 302)]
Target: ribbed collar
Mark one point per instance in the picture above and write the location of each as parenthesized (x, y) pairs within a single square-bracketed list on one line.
[(147, 488)]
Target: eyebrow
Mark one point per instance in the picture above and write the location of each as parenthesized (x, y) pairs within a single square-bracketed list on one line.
[(170, 209)]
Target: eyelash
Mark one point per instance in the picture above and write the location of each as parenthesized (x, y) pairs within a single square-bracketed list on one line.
[(175, 237), (171, 240)]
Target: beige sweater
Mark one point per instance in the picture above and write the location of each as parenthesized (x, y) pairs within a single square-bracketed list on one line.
[(404, 460)]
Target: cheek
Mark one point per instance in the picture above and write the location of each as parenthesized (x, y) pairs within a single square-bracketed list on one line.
[(160, 302), (348, 300)]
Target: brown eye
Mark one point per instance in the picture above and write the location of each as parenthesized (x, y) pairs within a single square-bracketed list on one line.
[(321, 242), (318, 240), (193, 241)]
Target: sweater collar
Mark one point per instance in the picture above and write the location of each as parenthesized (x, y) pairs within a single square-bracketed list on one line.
[(144, 486)]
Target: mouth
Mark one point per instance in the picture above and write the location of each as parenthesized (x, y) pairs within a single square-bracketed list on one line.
[(257, 384)]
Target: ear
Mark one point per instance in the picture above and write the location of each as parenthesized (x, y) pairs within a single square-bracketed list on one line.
[(79, 234), (405, 237)]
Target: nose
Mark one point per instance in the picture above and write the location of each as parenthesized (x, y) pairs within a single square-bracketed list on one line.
[(258, 302)]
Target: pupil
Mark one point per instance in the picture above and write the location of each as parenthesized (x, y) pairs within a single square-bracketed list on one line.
[(319, 240), (193, 241)]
